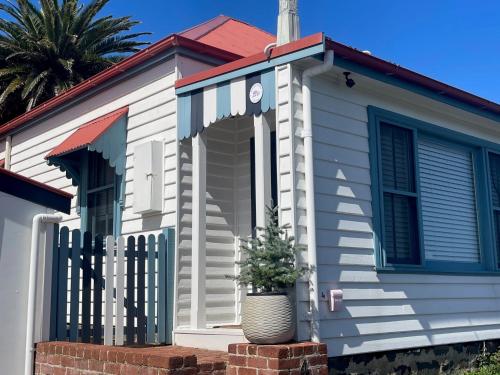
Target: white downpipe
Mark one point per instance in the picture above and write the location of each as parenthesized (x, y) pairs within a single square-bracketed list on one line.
[(30, 329), (307, 76), (8, 151)]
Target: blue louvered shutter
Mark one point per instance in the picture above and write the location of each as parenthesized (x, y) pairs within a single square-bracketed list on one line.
[(494, 160), (448, 201), (400, 235)]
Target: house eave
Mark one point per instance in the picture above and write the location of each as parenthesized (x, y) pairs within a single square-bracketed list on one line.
[(374, 67)]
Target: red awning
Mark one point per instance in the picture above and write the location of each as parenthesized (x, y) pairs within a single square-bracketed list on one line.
[(88, 133)]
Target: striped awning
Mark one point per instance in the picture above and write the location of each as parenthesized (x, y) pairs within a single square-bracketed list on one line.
[(244, 87), (202, 107)]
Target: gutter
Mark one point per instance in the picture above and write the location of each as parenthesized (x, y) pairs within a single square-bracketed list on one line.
[(307, 134), (38, 220), (390, 70)]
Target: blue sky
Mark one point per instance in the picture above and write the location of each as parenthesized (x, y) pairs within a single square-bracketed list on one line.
[(454, 41)]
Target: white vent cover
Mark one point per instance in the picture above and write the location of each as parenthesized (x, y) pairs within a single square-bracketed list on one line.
[(148, 159)]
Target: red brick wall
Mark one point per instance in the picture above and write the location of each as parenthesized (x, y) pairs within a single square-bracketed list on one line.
[(293, 359), (62, 358)]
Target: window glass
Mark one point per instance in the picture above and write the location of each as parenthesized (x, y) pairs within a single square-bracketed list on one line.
[(100, 196), (494, 161), (397, 158), (400, 237)]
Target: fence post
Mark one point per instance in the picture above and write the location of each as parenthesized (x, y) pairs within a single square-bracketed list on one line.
[(62, 282), (141, 289), (130, 288), (170, 283), (75, 285), (120, 279), (151, 289), (55, 285), (109, 274), (162, 287), (98, 286), (86, 285)]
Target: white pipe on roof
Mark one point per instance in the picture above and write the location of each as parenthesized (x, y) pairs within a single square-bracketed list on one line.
[(307, 134), (35, 244)]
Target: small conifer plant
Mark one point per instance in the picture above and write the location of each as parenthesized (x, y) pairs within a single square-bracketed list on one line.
[(269, 264)]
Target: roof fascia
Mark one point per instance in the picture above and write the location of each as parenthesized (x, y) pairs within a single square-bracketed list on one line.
[(35, 192), (420, 89), (415, 88), (307, 47)]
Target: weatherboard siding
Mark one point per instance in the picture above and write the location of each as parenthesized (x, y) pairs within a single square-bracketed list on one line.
[(291, 178), (151, 98), (383, 311)]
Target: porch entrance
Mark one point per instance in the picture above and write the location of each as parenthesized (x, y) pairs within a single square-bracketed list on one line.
[(228, 175)]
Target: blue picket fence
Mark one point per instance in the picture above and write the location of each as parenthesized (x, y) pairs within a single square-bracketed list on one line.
[(112, 291)]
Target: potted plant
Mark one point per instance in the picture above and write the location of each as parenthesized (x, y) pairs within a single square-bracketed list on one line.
[(269, 267)]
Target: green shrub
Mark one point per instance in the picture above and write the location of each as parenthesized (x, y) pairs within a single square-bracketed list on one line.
[(489, 364), (269, 258)]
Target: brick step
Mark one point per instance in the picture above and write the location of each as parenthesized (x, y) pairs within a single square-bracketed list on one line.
[(65, 358)]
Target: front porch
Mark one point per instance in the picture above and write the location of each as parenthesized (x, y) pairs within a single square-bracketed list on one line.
[(227, 178)]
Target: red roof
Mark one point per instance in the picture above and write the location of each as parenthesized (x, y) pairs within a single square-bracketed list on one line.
[(276, 52), (231, 35), (228, 40), (88, 133)]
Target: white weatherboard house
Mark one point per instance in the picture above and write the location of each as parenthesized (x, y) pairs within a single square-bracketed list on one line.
[(389, 178)]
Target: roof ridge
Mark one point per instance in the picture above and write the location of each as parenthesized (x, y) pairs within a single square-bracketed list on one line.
[(253, 26), (218, 21)]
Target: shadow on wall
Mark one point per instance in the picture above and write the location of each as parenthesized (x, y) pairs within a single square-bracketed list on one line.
[(150, 223), (383, 312)]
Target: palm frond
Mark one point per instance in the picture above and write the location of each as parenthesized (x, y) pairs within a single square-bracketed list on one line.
[(47, 48), (32, 83), (13, 86)]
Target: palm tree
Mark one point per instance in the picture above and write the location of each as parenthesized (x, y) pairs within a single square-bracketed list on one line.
[(48, 49)]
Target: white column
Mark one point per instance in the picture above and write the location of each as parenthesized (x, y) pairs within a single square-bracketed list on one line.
[(199, 253), (262, 168)]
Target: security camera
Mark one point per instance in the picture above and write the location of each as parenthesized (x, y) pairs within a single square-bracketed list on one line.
[(349, 82)]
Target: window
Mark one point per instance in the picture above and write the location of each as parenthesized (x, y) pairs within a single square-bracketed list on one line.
[(494, 161), (428, 188), (98, 195), (448, 200), (400, 209)]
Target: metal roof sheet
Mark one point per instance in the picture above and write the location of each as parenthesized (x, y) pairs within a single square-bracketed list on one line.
[(88, 133), (238, 37)]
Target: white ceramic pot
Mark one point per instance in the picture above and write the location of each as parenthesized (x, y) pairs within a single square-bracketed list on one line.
[(268, 318)]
